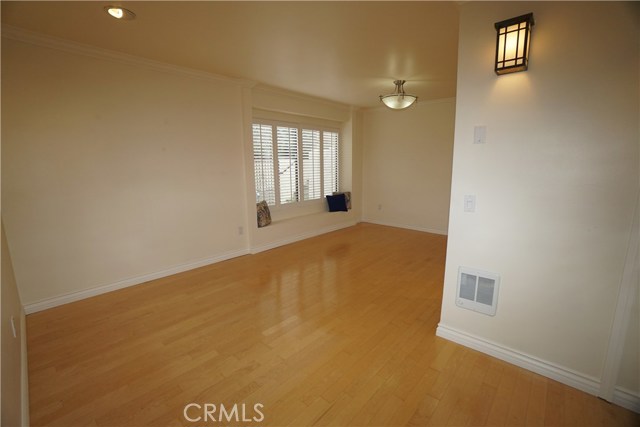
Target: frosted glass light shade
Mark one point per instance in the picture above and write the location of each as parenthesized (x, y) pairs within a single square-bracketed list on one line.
[(398, 100)]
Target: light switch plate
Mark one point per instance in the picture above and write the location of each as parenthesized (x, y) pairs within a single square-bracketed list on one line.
[(469, 203), (479, 134)]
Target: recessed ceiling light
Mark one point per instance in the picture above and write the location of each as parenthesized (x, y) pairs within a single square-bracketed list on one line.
[(120, 12)]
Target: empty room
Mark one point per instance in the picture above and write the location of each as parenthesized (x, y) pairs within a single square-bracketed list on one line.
[(320, 213)]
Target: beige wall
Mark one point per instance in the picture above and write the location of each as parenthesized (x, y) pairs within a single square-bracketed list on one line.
[(407, 165), (629, 376), (13, 374), (117, 170), (555, 182), (111, 171)]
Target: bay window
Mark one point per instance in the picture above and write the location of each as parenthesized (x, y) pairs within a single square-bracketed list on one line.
[(294, 163)]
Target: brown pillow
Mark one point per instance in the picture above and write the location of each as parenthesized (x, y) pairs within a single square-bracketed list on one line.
[(264, 215)]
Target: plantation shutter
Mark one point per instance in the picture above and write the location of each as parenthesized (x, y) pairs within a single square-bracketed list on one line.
[(330, 160), (263, 163), (287, 142), (312, 179)]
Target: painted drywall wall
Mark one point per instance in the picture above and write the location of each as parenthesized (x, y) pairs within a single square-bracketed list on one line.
[(407, 165), (112, 171), (118, 170), (555, 182), (14, 391), (276, 101), (629, 375)]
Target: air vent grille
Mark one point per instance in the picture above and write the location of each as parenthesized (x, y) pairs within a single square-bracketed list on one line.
[(477, 290)]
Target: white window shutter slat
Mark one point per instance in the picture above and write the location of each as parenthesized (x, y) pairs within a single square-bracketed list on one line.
[(263, 163), (287, 142), (330, 160), (312, 180)]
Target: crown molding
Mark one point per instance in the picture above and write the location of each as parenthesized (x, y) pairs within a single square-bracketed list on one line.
[(43, 40), (261, 87)]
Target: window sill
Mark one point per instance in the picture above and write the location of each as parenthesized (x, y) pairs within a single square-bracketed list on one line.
[(297, 220), (294, 210)]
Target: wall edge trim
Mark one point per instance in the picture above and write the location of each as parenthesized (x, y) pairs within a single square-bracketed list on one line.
[(406, 226), (47, 41), (622, 314), (627, 399), (47, 303), (302, 236), (24, 375), (547, 369), (264, 88)]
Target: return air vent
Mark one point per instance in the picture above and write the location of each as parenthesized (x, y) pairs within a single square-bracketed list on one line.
[(477, 290)]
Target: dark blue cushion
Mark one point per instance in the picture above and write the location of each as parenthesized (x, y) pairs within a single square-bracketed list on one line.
[(337, 203)]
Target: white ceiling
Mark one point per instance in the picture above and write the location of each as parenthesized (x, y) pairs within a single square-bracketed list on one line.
[(348, 52)]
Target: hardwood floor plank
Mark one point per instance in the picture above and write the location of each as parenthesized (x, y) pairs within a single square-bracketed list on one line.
[(418, 405), (517, 415), (337, 330), (313, 413), (554, 409), (537, 401), (499, 412)]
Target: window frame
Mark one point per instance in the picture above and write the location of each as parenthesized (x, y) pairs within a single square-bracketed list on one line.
[(299, 126)]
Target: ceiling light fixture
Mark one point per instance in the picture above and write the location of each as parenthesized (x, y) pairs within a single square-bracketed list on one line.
[(120, 13), (398, 100)]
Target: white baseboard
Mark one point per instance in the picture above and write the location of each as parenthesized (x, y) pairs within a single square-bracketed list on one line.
[(566, 376), (625, 398), (24, 374), (302, 236), (98, 290), (408, 227)]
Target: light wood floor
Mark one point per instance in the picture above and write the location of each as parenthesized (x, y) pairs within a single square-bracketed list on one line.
[(337, 330)]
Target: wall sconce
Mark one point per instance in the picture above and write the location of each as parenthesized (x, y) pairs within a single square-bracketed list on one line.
[(512, 45)]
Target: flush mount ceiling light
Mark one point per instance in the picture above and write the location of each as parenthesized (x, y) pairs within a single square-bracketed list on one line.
[(120, 13), (512, 46), (398, 100)]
